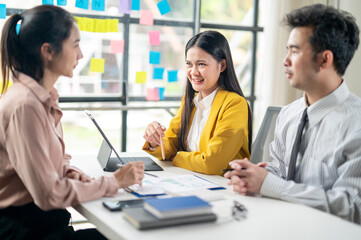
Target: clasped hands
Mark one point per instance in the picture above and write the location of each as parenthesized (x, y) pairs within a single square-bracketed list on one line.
[(246, 176)]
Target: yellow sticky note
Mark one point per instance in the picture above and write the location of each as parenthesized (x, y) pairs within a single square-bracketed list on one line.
[(1, 85), (97, 65), (100, 26), (89, 24), (141, 77), (80, 23), (112, 25)]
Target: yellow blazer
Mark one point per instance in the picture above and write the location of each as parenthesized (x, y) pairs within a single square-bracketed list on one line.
[(223, 139)]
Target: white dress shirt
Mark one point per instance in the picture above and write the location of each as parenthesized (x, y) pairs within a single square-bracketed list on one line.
[(199, 120), (328, 174)]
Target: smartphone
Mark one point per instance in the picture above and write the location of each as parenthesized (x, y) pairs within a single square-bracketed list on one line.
[(117, 205)]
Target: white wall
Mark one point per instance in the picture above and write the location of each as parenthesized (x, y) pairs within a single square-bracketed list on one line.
[(353, 72), (272, 87)]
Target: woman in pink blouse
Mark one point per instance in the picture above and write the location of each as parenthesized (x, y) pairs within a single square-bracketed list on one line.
[(36, 181)]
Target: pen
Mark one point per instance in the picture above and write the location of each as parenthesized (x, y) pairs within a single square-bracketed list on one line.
[(162, 148), (149, 174)]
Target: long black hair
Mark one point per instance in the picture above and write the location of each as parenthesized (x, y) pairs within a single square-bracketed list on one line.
[(215, 44), (21, 51)]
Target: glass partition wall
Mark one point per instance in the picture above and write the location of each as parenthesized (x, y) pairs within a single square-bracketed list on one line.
[(124, 104)]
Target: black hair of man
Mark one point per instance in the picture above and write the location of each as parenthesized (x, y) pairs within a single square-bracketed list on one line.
[(333, 30)]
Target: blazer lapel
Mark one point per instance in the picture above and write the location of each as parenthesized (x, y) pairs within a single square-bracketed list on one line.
[(211, 121)]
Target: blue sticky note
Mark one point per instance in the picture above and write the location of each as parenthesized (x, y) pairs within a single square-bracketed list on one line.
[(154, 57), (98, 5), (84, 4), (61, 2), (163, 7), (135, 5), (161, 93), (48, 2), (173, 76), (18, 28), (158, 73), (2, 11)]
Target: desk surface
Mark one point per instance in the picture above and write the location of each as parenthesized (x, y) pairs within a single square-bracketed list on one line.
[(267, 218)]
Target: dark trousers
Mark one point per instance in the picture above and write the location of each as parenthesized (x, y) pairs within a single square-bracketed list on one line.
[(30, 222)]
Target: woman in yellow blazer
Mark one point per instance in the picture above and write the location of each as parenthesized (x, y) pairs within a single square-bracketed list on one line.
[(213, 125)]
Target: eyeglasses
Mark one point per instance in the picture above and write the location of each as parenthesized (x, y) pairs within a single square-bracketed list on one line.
[(239, 211)]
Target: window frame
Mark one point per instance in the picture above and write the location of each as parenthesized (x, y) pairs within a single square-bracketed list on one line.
[(196, 24)]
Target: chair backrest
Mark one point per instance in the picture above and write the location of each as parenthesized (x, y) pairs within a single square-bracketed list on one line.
[(260, 146)]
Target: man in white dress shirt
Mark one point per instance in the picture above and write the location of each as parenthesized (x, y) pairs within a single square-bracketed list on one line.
[(326, 169)]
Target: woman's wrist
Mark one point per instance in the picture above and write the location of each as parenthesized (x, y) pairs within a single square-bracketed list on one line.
[(152, 148)]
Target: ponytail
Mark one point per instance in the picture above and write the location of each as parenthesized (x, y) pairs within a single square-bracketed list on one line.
[(10, 48), (21, 52)]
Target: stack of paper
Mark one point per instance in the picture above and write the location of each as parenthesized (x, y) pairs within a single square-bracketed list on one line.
[(176, 184)]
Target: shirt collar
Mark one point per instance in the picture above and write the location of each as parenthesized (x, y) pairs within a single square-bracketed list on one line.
[(205, 102), (317, 111), (34, 86)]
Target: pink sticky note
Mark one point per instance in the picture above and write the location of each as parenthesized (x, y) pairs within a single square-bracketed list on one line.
[(146, 17), (152, 94), (154, 37), (116, 46)]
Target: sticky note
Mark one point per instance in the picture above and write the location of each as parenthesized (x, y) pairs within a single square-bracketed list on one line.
[(172, 75), (152, 94), (163, 7), (141, 77), (116, 46), (48, 2), (97, 65), (100, 26), (98, 5), (2, 11), (112, 25), (1, 85), (89, 24), (146, 17), (135, 5), (97, 25), (84, 4), (158, 73), (124, 6), (61, 2), (161, 93), (18, 28), (154, 57), (154, 37)]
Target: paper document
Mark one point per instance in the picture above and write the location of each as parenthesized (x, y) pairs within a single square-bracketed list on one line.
[(174, 184)]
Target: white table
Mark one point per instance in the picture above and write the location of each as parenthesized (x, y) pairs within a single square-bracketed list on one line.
[(267, 218)]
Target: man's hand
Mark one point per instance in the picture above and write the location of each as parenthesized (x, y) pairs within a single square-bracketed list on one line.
[(246, 176)]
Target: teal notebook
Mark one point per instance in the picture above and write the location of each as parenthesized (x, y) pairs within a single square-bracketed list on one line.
[(142, 220)]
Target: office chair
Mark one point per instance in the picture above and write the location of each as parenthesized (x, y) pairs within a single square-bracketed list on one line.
[(260, 146)]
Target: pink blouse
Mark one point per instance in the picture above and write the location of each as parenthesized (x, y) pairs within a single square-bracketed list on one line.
[(33, 162)]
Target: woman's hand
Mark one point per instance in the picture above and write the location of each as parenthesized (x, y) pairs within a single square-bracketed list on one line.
[(153, 133), (78, 176), (129, 174)]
